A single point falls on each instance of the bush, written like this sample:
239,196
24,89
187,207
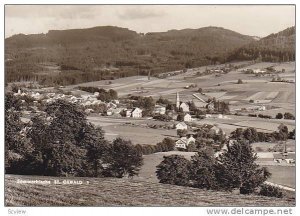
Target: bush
163,117
174,169
270,191
288,115
239,81
279,116
252,115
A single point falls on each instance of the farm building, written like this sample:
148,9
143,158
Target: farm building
114,111
181,126
158,109
187,118
287,157
184,107
183,142
134,113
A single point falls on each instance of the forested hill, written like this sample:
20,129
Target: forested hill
275,47
71,37
111,52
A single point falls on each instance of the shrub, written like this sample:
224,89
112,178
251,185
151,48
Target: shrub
174,169
163,117
181,133
279,116
288,115
270,191
239,81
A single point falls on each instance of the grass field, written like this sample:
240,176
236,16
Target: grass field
123,192
283,175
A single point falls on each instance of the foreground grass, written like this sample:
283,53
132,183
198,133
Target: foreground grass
122,192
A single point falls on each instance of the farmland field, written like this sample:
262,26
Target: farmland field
283,175
122,192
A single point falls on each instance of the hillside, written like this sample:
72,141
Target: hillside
111,52
275,47
120,192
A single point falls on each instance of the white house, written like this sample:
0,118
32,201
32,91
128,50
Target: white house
181,126
184,107
158,109
187,118
183,142
134,113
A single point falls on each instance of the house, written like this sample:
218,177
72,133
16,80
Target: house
187,118
210,106
184,107
181,126
134,113
183,142
256,71
111,105
158,109
208,116
287,157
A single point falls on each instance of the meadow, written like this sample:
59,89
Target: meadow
123,192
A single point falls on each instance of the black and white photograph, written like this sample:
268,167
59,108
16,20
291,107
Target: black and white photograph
150,105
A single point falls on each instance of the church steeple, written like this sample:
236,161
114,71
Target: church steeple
177,100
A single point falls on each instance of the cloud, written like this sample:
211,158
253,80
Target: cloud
140,13
49,11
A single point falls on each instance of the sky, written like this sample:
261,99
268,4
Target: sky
254,20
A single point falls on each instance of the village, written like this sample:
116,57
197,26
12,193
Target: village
132,110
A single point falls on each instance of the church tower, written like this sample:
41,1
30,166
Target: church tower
177,100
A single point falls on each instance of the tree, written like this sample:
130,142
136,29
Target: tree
283,132
123,159
180,117
292,134
191,147
16,143
181,133
236,168
239,81
60,139
202,171
288,115
279,116
168,143
174,169
96,147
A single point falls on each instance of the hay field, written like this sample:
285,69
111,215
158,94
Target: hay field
123,192
283,175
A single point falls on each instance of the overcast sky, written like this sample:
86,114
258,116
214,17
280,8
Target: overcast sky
249,20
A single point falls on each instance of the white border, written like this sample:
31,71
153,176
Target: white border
45,211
